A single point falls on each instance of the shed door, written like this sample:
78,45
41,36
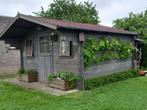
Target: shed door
44,58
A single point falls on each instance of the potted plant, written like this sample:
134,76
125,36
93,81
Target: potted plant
27,75
141,73
63,80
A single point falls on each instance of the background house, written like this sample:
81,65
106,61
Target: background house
51,46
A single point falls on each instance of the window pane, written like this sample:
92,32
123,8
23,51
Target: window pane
63,47
29,47
67,49
42,48
47,47
44,45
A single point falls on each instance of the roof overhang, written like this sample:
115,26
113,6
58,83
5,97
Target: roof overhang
138,40
22,24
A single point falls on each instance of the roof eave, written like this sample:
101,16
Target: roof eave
54,27
132,34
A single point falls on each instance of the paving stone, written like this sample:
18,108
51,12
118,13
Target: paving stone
43,87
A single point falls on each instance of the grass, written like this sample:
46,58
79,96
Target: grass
7,76
130,94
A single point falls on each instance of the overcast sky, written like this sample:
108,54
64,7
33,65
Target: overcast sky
109,10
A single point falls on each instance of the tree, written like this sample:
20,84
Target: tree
135,22
69,10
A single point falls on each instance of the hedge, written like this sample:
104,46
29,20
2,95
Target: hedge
115,77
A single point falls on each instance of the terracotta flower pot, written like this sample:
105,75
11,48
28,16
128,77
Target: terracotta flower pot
141,73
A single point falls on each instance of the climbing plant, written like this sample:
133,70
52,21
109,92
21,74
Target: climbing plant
96,51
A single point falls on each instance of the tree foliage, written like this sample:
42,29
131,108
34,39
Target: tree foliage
69,10
135,22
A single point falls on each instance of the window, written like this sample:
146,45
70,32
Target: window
29,47
44,45
65,47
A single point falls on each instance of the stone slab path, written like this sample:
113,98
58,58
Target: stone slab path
43,87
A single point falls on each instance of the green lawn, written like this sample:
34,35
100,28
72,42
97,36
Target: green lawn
125,95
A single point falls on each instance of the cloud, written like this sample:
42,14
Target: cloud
23,6
120,9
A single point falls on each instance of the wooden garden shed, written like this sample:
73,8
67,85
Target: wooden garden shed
50,46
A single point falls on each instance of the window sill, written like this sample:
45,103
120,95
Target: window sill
64,56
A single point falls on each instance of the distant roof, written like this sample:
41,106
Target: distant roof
57,24
4,21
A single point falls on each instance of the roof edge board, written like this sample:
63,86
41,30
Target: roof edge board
99,31
20,16
38,22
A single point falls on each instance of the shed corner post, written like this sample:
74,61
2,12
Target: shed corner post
52,53
81,62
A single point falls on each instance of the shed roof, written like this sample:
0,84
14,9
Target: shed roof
56,24
80,26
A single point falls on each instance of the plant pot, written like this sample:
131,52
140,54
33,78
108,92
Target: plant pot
60,84
28,77
141,73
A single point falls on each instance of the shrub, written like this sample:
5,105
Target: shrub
51,77
22,71
115,77
67,76
31,71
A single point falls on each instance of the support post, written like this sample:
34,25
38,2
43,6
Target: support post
52,57
53,38
81,67
21,55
